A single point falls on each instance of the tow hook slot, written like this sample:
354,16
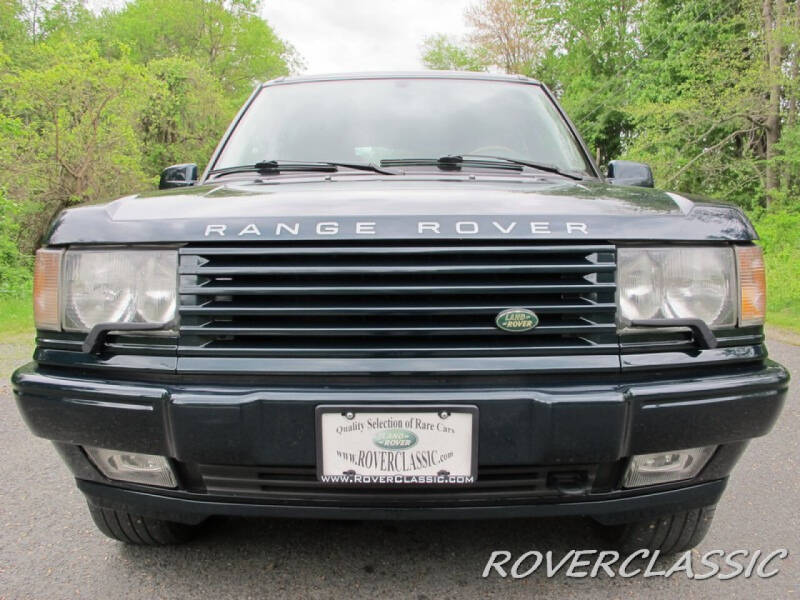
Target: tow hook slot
569,483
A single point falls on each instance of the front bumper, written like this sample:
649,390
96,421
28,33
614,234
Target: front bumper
587,426
608,510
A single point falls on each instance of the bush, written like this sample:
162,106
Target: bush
15,267
780,238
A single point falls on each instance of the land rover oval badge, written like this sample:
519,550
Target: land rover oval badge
517,320
395,439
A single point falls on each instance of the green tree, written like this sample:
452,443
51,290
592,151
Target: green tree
15,267
71,130
698,98
707,91
13,35
589,57
184,116
507,32
225,36
94,106
442,53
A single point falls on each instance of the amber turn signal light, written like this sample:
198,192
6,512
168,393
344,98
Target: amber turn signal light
752,285
46,280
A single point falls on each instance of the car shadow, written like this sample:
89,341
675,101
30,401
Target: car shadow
557,534
236,557
307,550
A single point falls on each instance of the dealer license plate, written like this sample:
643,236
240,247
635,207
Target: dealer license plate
397,445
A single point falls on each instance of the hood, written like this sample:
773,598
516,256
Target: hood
379,207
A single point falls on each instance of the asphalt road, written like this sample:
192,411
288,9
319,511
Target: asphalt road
49,547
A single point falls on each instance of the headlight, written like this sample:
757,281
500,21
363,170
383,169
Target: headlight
677,283
117,286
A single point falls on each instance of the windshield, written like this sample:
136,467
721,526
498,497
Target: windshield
369,120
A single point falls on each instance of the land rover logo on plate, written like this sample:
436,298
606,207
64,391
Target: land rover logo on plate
517,320
395,439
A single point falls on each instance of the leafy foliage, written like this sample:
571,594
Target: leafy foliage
707,92
442,53
94,106
698,105
780,238
224,37
185,104
15,267
79,142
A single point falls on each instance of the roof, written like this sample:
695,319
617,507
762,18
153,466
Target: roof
429,74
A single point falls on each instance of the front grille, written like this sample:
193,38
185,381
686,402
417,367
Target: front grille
350,300
505,484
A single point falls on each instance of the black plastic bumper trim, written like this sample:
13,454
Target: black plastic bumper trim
96,338
703,336
606,510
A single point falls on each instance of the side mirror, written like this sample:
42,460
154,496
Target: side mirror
178,176
626,172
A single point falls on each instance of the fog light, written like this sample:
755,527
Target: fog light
148,469
663,467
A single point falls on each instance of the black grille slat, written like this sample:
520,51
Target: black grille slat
230,309
401,300
345,331
227,290
300,483
388,270
413,269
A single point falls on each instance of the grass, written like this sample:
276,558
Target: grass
16,313
788,318
16,333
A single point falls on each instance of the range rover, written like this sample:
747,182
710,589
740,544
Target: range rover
402,296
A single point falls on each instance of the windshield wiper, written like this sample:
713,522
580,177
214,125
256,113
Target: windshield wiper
546,167
270,167
456,161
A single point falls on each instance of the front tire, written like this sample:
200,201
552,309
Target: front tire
140,530
669,534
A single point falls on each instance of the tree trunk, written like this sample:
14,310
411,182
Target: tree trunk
794,71
794,83
772,13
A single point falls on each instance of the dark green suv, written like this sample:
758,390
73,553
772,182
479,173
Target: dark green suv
402,296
